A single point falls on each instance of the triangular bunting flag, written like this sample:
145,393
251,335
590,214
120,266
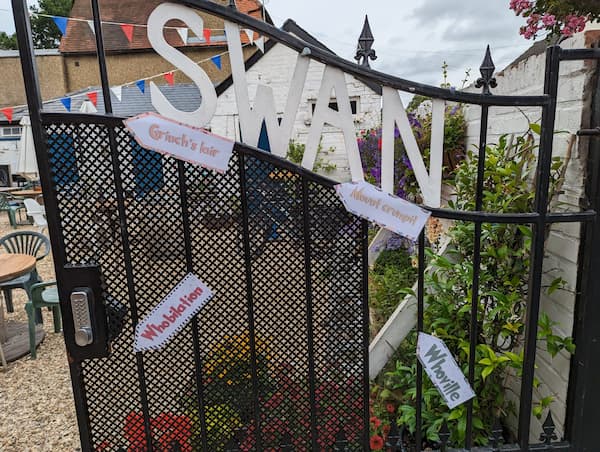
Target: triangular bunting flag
250,34
128,30
66,101
88,107
183,34
61,23
260,43
141,84
91,25
169,77
93,96
117,91
207,33
8,112
217,60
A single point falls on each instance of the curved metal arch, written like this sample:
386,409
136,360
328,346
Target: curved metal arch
351,68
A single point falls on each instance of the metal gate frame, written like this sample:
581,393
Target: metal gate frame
584,400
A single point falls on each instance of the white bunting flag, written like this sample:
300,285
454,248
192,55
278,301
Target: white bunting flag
250,33
91,25
172,314
183,34
117,91
260,43
443,371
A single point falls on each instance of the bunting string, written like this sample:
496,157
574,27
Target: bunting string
117,90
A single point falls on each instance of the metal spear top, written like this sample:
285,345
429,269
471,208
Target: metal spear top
487,68
232,4
364,50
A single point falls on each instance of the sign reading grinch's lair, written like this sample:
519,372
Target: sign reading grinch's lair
279,127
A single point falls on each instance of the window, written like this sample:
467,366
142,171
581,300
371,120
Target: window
147,168
63,159
11,131
334,105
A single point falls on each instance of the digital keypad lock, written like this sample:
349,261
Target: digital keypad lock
81,301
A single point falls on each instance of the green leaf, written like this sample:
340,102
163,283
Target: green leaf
536,128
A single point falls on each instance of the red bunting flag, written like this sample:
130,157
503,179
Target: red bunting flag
169,77
93,96
8,112
207,35
128,30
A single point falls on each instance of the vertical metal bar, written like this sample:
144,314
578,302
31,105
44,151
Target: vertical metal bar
249,291
34,104
537,246
366,330
101,57
420,313
583,409
476,269
185,218
309,317
130,279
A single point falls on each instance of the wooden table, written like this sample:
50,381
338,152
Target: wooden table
27,193
9,189
11,266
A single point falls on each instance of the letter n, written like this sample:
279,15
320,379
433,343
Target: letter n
395,114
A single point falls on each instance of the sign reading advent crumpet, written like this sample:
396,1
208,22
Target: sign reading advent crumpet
388,211
172,314
184,142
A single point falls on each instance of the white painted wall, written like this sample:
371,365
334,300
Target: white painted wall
275,69
562,247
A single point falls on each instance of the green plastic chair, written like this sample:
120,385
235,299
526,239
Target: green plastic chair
43,295
11,209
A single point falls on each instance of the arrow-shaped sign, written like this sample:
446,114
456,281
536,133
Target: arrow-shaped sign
172,314
183,142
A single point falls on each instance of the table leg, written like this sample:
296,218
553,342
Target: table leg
3,359
3,332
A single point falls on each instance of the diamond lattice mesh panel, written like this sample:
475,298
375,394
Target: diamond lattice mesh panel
276,357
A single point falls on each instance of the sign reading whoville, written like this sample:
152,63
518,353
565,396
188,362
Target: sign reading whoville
172,314
443,371
183,142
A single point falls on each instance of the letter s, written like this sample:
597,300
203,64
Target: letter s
156,22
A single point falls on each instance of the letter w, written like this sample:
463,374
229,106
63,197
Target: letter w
435,354
149,333
251,119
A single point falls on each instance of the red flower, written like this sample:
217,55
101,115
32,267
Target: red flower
375,421
386,430
390,408
376,442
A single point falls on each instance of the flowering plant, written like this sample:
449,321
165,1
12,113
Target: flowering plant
558,17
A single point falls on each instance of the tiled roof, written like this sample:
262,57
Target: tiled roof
80,39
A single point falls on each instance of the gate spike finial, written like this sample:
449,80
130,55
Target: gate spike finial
232,4
487,68
364,50
549,430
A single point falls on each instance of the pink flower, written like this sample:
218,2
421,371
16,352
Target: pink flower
518,6
549,20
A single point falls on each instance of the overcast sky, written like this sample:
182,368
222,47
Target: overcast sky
412,38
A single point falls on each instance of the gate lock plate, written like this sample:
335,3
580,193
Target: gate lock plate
81,300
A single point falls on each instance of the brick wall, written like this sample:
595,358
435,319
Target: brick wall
275,69
526,77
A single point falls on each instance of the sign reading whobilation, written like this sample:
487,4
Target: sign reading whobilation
388,211
184,142
172,314
443,371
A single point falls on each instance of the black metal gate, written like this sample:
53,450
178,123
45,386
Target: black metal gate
279,359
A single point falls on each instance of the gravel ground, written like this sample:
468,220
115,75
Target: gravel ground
37,412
